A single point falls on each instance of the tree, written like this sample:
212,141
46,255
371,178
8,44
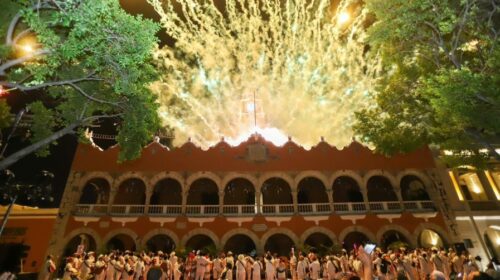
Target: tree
85,61
442,84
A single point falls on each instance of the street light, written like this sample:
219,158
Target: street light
41,190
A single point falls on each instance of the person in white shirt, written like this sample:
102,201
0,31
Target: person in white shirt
86,268
256,269
172,262
270,270
201,264
100,268
240,268
314,268
301,268
330,268
50,267
70,271
218,267
139,268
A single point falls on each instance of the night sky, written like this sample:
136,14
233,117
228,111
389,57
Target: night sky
59,162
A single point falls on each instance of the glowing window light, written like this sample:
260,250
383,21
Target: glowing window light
455,185
343,18
475,183
492,184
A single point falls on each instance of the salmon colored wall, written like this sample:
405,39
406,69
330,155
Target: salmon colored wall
223,157
37,236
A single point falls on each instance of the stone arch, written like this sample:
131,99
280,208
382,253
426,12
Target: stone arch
310,189
287,178
243,231
439,230
234,175
381,188
82,181
201,231
380,172
159,231
199,175
239,190
83,230
278,230
124,231
310,173
129,175
413,188
349,173
134,192
412,240
95,191
164,175
417,173
318,229
347,189
357,228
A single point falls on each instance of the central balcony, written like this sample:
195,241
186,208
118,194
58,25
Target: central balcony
348,208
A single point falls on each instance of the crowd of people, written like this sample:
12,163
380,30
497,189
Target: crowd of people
355,265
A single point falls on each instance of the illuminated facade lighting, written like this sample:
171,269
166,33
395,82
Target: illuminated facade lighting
456,186
492,184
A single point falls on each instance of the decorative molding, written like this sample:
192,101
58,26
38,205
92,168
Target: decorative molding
316,219
240,220
162,220
86,220
124,220
278,220
426,216
389,217
352,218
201,221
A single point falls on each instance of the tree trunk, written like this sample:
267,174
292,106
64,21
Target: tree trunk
13,158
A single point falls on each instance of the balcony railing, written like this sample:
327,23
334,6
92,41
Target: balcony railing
91,209
343,208
239,210
125,210
385,206
419,205
277,209
165,210
202,210
349,207
314,208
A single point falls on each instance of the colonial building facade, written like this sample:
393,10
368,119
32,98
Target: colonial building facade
260,197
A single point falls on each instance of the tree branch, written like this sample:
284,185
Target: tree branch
21,35
82,92
69,129
11,63
49,84
10,30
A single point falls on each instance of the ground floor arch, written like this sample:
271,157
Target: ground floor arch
160,242
394,239
354,238
279,243
429,238
240,244
322,242
201,242
86,240
122,242
492,240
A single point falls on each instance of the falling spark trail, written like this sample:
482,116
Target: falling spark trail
309,70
